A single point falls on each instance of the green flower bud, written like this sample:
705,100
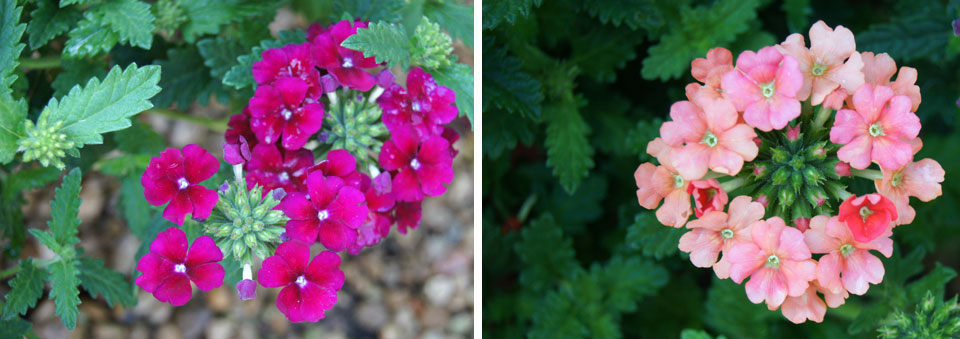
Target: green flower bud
780,176
812,175
785,198
779,155
796,181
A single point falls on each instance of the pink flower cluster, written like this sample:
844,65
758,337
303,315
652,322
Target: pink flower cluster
732,110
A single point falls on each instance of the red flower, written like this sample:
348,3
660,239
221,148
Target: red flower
452,136
708,196
239,125
176,178
340,163
308,289
291,61
408,215
424,105
346,65
273,168
239,153
168,268
332,214
380,202
868,216
284,107
424,167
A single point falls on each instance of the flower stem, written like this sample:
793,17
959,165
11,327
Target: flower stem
732,184
871,174
41,62
821,118
215,125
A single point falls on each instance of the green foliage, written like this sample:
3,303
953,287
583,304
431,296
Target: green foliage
546,253
908,38
459,78
90,37
220,54
369,10
48,21
12,115
131,20
25,289
651,237
385,41
568,149
99,280
14,328
65,291
933,318
509,11
10,46
506,86
77,72
696,334
627,12
207,16
454,18
64,209
239,75
185,79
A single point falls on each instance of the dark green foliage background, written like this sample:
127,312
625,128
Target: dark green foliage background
573,91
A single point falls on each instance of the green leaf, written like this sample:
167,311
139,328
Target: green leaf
77,72
65,3
65,207
89,37
626,12
654,239
729,311
124,165
14,328
139,138
503,131
206,16
48,21
47,239
385,41
99,280
798,14
907,39
65,292
603,51
25,289
369,10
700,29
10,46
185,79
13,114
627,280
509,11
459,78
220,54
506,86
547,254
131,20
569,152
135,208
455,18
933,281
239,76
101,107
690,333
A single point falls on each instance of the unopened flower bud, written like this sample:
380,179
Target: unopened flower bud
812,175
762,199
793,133
779,155
247,288
278,194
780,176
842,168
802,224
785,197
759,141
796,181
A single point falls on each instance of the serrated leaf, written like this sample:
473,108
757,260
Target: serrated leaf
503,131
509,11
652,238
185,79
569,152
385,41
907,39
11,30
220,54
47,239
131,20
603,51
14,328
25,289
933,281
101,107
455,18
65,292
136,211
48,21
547,254
65,207
626,12
239,76
729,311
99,280
459,78
64,3
627,280
206,16
89,37
76,72
369,10
506,86
13,114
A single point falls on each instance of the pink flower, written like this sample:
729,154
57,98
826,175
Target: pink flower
273,168
169,267
308,289
717,231
291,61
663,182
345,64
765,86
247,289
424,105
776,260
174,177
380,201
823,65
878,69
709,71
408,215
708,196
423,166
314,30
805,306
239,125
868,216
920,179
285,108
803,224
842,168
711,137
340,163
880,129
331,214
847,263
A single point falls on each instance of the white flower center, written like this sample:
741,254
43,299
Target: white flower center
347,62
301,281
183,183
286,113
726,233
709,139
415,106
677,181
818,69
846,249
180,268
414,164
897,179
768,89
295,64
876,130
773,261
323,215
865,213
284,177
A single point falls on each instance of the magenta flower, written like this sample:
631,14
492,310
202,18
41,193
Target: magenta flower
777,261
380,202
848,264
239,153
346,65
879,130
285,108
239,125
424,105
291,61
308,289
408,215
274,168
717,231
710,136
340,163
174,177
764,86
423,167
452,136
169,267
331,213
247,289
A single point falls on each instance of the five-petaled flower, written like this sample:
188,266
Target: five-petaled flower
656,183
286,108
777,261
175,177
331,213
274,168
169,267
423,166
764,86
710,138
920,179
717,231
309,287
847,263
423,105
831,62
880,130
345,64
868,216
291,61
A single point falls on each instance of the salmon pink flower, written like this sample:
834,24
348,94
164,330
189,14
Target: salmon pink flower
831,62
273,168
764,86
423,166
847,263
717,231
408,215
805,306
920,179
174,177
285,108
663,183
424,105
868,216
710,136
842,168
711,69
331,213
879,68
340,163
708,196
777,261
291,61
309,290
346,65
169,267
880,129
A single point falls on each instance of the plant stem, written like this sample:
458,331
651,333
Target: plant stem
866,173
41,62
732,184
821,118
216,125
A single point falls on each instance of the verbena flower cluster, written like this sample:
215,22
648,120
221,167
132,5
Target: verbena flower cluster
768,164
282,200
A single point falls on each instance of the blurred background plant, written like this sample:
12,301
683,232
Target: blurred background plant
573,91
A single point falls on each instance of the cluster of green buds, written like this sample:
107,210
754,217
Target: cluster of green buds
431,46
46,144
933,318
355,124
244,223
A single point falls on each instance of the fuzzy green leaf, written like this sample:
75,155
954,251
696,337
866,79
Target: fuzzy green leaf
569,152
14,327
503,131
220,54
132,21
654,239
10,33
509,11
690,333
89,37
506,86
140,138
547,254
239,76
603,51
47,239
933,281
369,10
908,38
101,107
136,211
459,78
385,41
13,113
65,292
99,280
626,12
25,289
77,72
206,16
626,280
455,18
48,21
65,207
65,3
185,79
